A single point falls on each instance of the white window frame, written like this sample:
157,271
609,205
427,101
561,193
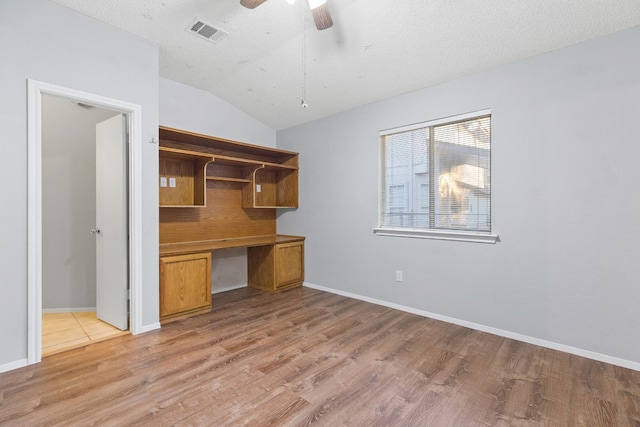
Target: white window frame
423,233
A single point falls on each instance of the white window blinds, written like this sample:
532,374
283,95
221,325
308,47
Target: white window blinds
437,176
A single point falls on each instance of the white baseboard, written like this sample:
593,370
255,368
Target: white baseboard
228,288
13,365
147,328
495,331
68,310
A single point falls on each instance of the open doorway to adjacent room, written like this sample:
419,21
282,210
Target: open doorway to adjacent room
84,219
69,223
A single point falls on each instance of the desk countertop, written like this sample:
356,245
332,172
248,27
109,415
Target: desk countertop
210,245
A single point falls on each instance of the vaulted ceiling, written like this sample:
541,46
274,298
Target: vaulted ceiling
375,49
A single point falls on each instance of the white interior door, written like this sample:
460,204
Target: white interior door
111,228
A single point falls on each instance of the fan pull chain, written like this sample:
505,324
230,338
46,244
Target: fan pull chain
303,102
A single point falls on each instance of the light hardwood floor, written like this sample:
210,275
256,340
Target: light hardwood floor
306,357
65,331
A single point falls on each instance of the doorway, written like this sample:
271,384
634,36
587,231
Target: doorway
70,216
63,331
132,112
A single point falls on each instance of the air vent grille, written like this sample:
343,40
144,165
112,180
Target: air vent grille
206,31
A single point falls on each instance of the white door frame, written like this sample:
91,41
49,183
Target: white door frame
34,197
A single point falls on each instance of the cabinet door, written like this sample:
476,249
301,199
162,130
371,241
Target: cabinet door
276,267
289,268
185,284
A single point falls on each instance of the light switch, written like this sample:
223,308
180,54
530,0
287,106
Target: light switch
163,181
172,182
258,188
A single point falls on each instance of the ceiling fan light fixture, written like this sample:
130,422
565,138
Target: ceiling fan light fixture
319,10
251,4
321,15
316,3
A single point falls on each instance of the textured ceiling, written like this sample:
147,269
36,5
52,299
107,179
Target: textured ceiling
376,48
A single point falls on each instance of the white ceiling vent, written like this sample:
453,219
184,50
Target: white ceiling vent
206,31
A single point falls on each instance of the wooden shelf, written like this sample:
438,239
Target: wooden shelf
182,174
227,179
220,159
272,188
177,153
170,137
237,161
269,176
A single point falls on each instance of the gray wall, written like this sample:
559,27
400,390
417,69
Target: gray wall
195,110
565,201
69,203
65,48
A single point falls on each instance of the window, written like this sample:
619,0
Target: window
396,199
435,179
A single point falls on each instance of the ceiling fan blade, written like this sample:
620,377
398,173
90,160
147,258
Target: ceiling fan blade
322,17
251,4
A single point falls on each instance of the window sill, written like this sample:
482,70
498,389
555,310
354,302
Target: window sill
460,236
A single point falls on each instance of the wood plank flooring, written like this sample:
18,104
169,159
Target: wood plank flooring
306,357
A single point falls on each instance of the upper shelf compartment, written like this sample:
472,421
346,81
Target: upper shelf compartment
185,140
268,176
182,178
271,187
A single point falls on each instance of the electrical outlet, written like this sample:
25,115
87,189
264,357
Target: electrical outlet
163,181
258,188
172,182
399,276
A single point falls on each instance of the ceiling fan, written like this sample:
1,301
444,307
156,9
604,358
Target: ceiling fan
319,10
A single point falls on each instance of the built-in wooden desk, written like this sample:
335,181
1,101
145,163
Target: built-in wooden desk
219,194
240,242
274,263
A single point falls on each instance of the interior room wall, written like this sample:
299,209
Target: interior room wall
69,203
65,48
188,108
195,110
564,175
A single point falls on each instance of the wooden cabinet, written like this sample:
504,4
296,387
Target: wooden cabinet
182,178
228,193
272,186
269,177
276,267
185,285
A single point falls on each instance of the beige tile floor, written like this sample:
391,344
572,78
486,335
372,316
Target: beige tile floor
65,331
